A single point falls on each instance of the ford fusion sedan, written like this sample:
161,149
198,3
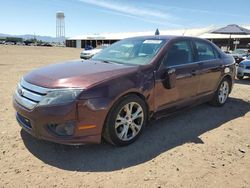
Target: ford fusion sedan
243,69
113,95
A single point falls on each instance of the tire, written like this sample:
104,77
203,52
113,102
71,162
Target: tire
240,77
120,127
222,90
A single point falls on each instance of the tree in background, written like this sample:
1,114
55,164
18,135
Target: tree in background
13,39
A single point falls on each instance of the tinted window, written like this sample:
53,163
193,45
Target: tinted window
179,53
205,51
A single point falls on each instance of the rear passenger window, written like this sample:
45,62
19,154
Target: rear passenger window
205,51
180,53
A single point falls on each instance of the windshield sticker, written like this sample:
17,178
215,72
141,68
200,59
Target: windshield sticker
152,42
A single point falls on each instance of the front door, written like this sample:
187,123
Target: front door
179,58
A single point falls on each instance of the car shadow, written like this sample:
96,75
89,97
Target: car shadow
245,81
160,136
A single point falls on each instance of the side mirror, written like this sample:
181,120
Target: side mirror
169,80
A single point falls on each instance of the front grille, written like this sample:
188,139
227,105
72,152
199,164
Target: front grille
29,95
24,121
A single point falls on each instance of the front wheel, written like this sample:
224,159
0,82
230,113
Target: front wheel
221,94
125,121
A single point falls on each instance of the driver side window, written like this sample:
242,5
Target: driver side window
179,53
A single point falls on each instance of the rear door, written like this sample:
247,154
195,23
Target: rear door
180,59
211,66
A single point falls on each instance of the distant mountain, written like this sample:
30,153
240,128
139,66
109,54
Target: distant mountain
28,36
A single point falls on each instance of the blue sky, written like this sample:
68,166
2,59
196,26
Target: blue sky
98,16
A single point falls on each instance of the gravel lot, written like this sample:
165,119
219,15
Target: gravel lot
200,147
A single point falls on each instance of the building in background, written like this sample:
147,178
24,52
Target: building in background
81,41
60,27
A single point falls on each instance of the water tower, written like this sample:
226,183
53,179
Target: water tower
60,27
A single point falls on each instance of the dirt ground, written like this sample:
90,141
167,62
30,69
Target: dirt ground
200,147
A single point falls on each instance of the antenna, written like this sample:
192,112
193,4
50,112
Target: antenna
183,34
157,32
60,27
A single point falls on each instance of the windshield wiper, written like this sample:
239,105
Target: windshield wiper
105,61
108,61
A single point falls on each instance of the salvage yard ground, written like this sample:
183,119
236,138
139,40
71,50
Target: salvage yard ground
200,147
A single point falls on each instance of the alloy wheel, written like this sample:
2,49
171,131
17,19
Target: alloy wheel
129,121
223,92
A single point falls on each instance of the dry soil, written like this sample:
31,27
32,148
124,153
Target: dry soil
200,147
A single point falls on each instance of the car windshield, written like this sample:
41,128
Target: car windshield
131,51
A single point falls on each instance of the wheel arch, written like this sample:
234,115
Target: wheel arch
127,94
230,80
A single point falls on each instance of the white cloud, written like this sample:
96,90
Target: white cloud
193,11
145,14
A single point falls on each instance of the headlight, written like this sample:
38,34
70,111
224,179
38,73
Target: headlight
60,97
241,65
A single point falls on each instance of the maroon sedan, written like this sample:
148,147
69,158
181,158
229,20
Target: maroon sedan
113,95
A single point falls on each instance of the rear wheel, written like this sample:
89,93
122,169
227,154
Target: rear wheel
221,94
125,121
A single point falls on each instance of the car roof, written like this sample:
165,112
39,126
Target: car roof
164,37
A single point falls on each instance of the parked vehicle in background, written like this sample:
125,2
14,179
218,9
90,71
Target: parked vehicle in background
240,54
113,95
20,44
47,44
9,43
243,69
87,54
32,44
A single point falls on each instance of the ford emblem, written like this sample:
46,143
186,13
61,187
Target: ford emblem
21,92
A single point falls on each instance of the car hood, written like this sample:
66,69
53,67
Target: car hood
76,74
